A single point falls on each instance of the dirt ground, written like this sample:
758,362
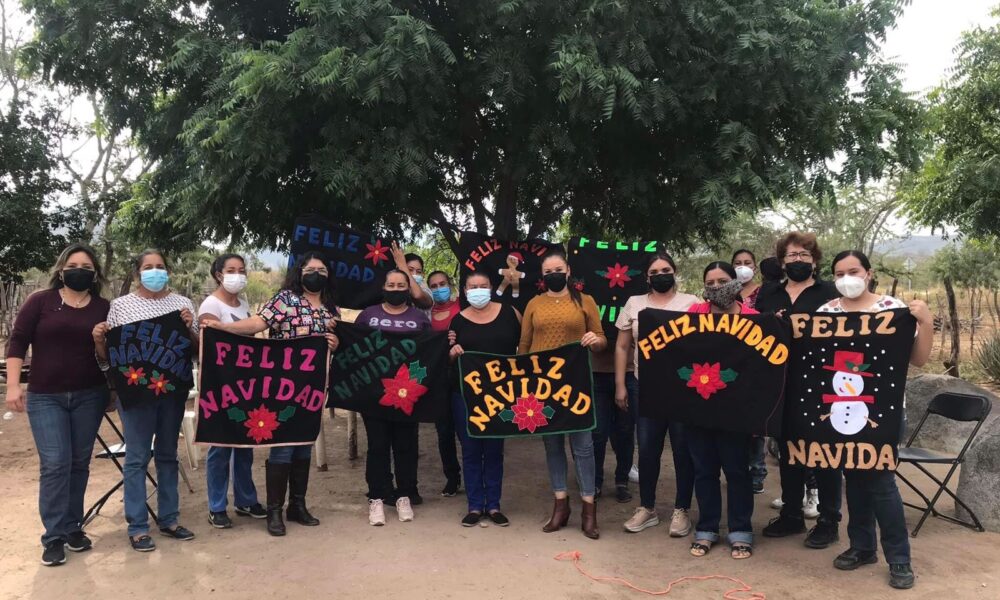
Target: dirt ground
434,557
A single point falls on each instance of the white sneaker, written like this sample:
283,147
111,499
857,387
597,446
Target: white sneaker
376,513
633,474
810,504
777,503
643,518
680,523
404,510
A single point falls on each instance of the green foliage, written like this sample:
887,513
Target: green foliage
988,357
651,119
960,182
29,217
973,264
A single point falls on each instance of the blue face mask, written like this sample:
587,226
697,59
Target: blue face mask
441,294
418,278
478,297
154,280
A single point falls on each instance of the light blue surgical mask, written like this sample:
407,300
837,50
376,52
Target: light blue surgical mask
441,294
478,297
154,280
418,278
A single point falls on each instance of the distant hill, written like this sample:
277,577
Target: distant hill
917,246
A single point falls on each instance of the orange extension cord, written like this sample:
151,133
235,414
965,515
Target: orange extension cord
576,556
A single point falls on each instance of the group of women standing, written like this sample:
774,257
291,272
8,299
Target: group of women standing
66,326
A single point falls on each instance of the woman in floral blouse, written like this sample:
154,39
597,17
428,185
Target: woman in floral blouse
303,307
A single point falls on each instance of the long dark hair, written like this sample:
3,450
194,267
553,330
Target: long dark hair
862,258
56,282
293,279
661,255
220,263
743,251
574,293
719,264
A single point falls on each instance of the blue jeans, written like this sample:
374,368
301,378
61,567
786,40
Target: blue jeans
713,451
652,433
217,466
758,465
159,420
872,497
482,461
286,455
64,427
614,424
582,446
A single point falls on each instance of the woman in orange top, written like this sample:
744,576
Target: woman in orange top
560,316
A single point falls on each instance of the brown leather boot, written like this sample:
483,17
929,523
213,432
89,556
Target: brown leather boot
588,522
560,516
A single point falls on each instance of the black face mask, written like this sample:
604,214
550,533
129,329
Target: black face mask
555,282
78,280
396,297
662,282
799,271
314,282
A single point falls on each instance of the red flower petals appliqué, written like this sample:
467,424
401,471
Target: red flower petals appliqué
377,252
707,379
401,391
261,424
528,414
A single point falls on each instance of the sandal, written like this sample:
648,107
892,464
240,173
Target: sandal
741,551
700,548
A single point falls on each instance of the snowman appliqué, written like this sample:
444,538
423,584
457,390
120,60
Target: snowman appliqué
849,406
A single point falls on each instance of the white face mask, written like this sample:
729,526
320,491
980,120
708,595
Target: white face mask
744,273
850,286
234,282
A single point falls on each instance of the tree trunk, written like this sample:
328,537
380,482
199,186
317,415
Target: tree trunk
972,321
956,329
895,282
944,324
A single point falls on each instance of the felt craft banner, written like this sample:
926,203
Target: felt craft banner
529,394
151,360
394,376
256,392
611,273
357,261
514,267
719,371
847,377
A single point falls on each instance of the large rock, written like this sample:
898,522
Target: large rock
939,433
979,480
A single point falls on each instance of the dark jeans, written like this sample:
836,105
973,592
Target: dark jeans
286,455
652,433
714,451
482,460
391,443
793,485
872,496
758,465
64,427
218,464
159,420
446,447
614,424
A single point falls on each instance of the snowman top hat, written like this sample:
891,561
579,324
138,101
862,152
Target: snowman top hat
849,362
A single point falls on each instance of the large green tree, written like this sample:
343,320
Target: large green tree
960,183
641,118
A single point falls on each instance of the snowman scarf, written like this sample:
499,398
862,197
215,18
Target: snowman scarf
844,404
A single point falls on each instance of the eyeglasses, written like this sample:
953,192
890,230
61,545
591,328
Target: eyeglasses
311,270
798,256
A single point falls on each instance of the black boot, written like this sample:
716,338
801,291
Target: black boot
277,483
298,483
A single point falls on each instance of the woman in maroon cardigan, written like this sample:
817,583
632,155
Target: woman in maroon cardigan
67,393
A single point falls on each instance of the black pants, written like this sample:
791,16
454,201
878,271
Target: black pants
715,452
829,482
391,443
446,447
872,497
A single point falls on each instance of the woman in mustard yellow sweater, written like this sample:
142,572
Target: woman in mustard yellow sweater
560,316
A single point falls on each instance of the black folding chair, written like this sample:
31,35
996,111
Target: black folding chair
956,407
114,455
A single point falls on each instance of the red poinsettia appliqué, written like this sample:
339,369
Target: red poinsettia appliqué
377,252
261,424
707,378
134,376
402,391
528,414
160,384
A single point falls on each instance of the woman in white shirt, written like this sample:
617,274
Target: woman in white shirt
227,306
872,496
